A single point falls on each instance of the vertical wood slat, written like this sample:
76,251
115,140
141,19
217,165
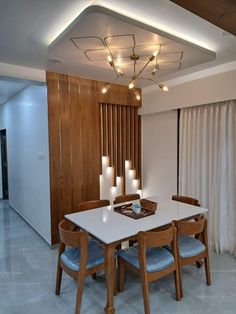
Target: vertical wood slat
136,150
65,119
124,131
95,160
114,142
132,137
76,142
128,154
104,119
118,143
101,136
140,152
109,135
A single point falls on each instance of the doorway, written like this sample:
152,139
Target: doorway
3,140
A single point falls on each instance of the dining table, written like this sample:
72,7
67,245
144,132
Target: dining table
112,228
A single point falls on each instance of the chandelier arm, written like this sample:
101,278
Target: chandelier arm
135,67
144,67
149,79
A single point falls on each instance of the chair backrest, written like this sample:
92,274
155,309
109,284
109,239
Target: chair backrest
156,238
70,237
185,199
126,198
191,227
93,204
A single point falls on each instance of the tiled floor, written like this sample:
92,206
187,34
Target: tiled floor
27,278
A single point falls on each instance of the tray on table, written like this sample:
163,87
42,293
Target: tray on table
148,208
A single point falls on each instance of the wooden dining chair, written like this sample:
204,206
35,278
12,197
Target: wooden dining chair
150,260
122,199
185,199
192,249
93,204
126,198
82,258
190,201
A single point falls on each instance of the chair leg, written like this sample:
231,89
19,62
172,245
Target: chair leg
207,270
199,264
145,294
79,293
58,280
177,285
94,276
115,279
121,271
181,283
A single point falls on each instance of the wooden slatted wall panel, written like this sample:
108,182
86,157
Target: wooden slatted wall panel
74,141
80,132
123,139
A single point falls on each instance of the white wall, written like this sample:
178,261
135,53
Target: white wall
160,123
206,90
25,119
160,154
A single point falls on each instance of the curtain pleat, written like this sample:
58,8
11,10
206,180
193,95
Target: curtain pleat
208,167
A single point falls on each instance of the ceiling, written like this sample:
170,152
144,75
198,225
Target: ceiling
30,33
99,33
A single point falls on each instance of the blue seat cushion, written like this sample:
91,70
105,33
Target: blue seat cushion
188,246
71,256
157,259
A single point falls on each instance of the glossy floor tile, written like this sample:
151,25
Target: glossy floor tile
27,279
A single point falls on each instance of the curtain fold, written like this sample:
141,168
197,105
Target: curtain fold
208,167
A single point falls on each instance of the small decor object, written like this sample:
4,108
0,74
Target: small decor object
136,210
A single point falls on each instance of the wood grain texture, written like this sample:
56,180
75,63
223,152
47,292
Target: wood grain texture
114,143
119,95
81,130
125,125
221,13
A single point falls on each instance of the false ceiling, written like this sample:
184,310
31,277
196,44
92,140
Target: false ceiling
98,33
29,27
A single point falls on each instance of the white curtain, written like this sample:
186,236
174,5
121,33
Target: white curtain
208,167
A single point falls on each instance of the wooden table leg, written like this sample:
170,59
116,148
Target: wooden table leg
110,268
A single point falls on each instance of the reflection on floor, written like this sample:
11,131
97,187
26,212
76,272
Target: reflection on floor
27,278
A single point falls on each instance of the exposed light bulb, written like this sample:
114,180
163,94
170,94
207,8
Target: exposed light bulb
163,87
155,53
109,58
153,56
131,84
105,89
138,97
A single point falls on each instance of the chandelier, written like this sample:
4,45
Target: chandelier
137,74
131,58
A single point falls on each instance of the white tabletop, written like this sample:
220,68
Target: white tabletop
109,226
